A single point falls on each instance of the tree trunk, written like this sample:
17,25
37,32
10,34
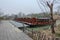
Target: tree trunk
52,28
52,25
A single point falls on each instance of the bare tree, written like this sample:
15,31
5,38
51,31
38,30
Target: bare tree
49,4
51,13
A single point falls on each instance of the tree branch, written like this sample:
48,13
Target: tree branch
44,5
48,5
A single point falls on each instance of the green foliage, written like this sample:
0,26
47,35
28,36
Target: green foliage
40,15
1,18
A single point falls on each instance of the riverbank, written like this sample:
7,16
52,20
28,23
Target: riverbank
32,31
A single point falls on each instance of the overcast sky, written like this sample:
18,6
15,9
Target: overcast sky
16,6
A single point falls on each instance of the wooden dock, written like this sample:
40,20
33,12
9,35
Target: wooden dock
9,32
